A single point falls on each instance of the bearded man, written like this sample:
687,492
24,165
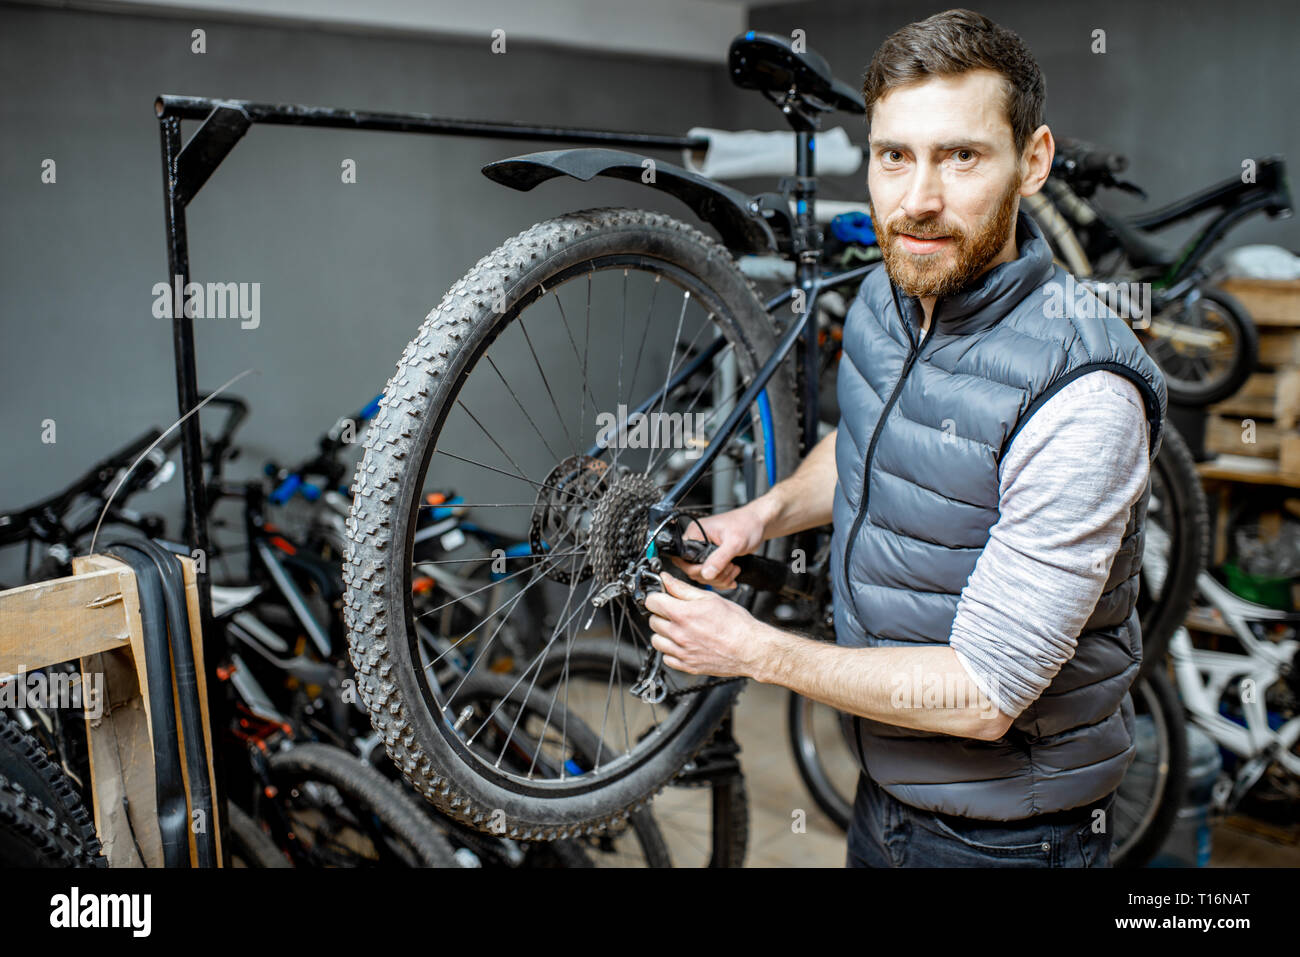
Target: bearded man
987,487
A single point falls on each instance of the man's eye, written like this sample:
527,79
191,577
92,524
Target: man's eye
964,156
893,156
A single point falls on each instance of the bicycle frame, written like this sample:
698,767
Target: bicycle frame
188,164
1235,199
806,251
1204,676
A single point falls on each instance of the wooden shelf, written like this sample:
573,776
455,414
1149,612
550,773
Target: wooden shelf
1241,468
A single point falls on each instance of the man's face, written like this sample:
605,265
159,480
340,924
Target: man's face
945,181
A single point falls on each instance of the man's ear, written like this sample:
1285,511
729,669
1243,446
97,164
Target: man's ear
1037,160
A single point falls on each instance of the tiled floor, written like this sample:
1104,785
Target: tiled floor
776,794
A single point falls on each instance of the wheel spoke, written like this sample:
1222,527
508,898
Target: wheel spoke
522,478
554,405
549,450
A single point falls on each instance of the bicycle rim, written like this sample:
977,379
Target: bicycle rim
576,356
1150,793
828,768
1198,346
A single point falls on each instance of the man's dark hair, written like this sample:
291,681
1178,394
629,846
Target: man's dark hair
954,42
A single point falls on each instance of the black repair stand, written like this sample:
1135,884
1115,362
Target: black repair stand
187,166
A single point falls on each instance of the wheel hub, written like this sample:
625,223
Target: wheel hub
562,516
600,516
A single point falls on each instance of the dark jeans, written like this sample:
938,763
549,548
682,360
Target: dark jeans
888,833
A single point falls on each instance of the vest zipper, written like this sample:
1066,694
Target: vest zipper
912,355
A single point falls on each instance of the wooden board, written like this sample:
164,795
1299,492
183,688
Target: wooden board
1253,400
1279,347
1250,471
1265,395
201,680
121,765
1270,302
120,740
64,619
1225,435
93,617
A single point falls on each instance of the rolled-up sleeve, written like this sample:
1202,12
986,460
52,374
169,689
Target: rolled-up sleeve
1067,484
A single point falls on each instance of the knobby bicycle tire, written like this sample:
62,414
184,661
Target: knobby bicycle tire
1162,614
27,768
1245,355
398,446
365,787
1170,724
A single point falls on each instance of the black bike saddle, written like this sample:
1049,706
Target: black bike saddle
766,61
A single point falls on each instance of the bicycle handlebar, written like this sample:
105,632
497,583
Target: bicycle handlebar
324,463
16,526
764,574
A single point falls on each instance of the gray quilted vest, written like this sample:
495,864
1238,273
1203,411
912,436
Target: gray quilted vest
928,426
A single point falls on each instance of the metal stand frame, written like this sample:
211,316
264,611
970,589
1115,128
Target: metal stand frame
187,165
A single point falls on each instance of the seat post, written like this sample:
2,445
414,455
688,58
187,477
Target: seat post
808,246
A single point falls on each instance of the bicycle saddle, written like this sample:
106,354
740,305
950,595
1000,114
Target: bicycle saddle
768,62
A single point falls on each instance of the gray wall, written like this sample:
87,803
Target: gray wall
348,271
1186,89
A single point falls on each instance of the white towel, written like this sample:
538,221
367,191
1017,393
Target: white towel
1263,262
736,154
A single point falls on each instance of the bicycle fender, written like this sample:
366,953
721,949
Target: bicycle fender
734,214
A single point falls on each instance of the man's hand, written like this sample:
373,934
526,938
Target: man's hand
737,532
702,633
804,500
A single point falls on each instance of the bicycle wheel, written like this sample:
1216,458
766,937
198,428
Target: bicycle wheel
250,846
332,809
522,727
1177,534
1206,345
472,387
827,766
38,789
32,835
704,816
1147,802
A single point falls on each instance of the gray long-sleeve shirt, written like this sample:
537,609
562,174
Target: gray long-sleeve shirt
1066,485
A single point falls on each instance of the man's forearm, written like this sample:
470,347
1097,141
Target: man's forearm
803,500
922,688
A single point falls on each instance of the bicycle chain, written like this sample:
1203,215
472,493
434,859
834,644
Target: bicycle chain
702,686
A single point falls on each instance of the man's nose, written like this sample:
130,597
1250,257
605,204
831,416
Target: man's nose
924,196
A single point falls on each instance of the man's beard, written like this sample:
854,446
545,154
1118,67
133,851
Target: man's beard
931,274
